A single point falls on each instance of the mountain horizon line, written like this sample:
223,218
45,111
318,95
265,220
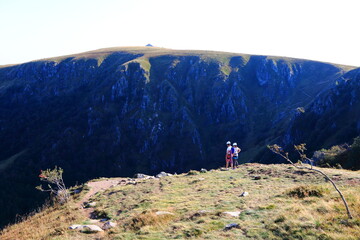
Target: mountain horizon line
157,51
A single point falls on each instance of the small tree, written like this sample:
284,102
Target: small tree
300,149
55,185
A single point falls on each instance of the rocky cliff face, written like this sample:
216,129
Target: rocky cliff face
121,112
331,118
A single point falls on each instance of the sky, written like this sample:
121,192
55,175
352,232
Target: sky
322,30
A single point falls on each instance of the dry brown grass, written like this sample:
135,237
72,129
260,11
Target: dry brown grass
50,222
197,202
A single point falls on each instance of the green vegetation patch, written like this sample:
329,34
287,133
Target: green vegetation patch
307,191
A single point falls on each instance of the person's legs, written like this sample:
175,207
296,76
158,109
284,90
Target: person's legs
235,161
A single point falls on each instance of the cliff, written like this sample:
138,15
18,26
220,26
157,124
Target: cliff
118,111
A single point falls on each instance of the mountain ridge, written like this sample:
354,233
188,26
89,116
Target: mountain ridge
131,112
157,51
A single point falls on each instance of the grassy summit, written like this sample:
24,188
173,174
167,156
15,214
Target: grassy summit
283,203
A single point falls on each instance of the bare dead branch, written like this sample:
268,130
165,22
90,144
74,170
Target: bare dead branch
301,151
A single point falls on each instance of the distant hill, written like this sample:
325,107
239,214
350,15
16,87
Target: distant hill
118,111
280,202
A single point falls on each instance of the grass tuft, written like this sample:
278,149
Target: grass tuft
307,191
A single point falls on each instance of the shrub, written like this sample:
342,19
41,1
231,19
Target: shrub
56,185
193,172
306,191
149,218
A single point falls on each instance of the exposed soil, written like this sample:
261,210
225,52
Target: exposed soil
99,186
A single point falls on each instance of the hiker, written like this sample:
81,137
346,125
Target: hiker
235,150
228,156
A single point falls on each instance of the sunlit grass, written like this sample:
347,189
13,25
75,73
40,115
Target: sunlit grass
282,203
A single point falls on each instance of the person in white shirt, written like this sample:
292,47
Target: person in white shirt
235,150
228,155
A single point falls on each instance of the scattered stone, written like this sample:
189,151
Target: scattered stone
143,176
91,229
257,177
231,226
158,213
86,228
108,225
203,170
76,226
201,179
90,204
244,194
232,214
163,174
224,169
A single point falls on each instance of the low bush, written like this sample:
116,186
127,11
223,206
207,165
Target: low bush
306,191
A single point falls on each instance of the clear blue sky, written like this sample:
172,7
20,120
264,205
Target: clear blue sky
311,29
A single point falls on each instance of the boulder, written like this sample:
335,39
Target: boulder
244,194
91,229
108,225
231,226
232,214
89,204
86,228
203,170
163,174
76,226
141,175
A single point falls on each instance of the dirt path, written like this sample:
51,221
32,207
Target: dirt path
99,186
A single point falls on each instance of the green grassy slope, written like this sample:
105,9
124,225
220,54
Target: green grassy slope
283,203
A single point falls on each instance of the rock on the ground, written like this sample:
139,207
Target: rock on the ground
86,228
76,226
163,174
163,213
244,194
203,170
142,176
91,229
232,214
231,226
90,204
108,225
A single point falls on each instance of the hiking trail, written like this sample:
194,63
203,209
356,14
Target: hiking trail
95,187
